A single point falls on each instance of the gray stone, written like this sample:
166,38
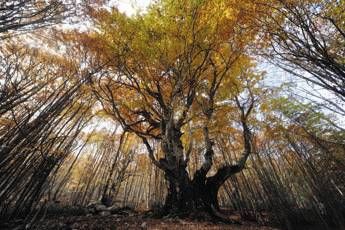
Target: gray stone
112,209
105,213
143,225
100,207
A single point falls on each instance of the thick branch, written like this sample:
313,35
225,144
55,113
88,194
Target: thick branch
151,155
228,170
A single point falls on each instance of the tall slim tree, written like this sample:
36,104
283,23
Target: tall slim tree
24,15
307,39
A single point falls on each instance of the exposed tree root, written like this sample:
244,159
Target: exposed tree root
221,217
210,214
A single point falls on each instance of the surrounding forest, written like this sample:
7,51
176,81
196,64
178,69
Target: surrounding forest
185,114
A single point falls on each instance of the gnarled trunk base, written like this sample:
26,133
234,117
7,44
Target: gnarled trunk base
195,200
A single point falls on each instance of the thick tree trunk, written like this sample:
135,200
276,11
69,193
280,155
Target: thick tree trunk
198,197
187,196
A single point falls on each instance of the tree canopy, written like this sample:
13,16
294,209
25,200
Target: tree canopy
171,108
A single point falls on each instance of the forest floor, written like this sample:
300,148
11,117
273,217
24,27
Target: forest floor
133,221
138,222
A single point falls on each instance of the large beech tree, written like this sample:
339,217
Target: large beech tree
177,66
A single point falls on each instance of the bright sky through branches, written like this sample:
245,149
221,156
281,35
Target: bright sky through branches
130,6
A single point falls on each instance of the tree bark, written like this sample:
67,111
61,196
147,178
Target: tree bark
185,195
